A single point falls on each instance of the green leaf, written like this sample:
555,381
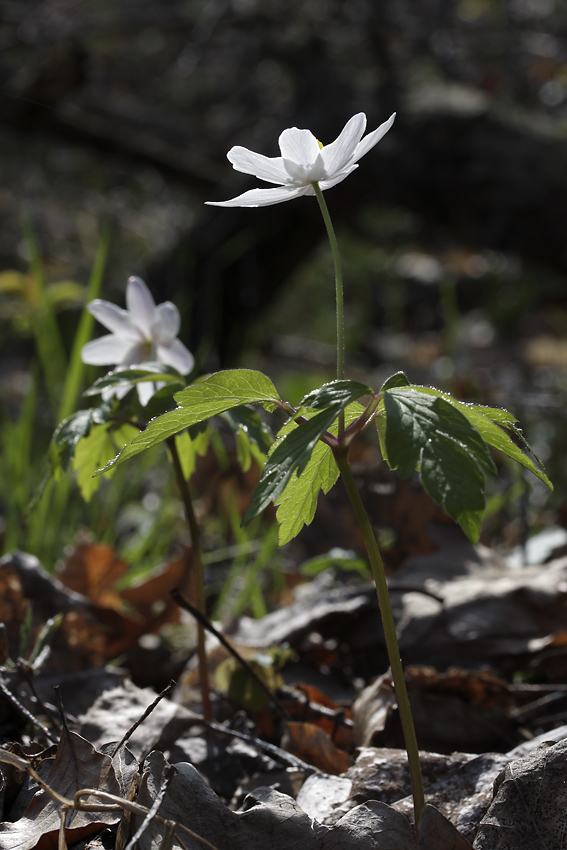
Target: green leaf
74,428
487,420
94,450
397,380
335,392
253,437
428,433
298,502
215,394
337,559
191,444
292,453
136,374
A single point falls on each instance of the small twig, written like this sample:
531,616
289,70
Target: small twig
199,573
299,693
206,623
141,719
24,671
270,749
27,714
153,810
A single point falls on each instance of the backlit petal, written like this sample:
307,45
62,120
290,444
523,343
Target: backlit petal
303,174
106,350
263,197
299,146
115,392
166,323
270,169
328,184
177,355
373,138
114,318
141,305
339,153
146,390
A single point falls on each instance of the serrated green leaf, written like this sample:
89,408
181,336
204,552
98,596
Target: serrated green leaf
487,421
93,451
298,501
136,374
74,428
414,420
456,483
427,433
397,380
246,419
215,394
291,454
335,392
224,390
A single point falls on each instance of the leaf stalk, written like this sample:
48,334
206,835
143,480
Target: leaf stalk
199,574
388,624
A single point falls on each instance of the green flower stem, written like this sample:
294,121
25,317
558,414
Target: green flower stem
389,629
199,575
338,291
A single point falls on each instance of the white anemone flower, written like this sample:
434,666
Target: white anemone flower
142,333
303,161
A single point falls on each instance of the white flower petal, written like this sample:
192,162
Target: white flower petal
114,318
141,305
165,324
270,169
302,174
299,146
177,355
115,392
263,197
106,350
338,178
339,153
146,390
373,138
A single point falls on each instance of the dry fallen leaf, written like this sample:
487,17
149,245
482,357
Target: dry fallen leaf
311,744
35,815
437,833
93,569
458,710
270,820
529,810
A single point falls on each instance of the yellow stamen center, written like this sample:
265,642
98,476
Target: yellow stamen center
321,145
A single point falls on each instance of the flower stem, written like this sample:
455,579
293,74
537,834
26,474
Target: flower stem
199,575
338,290
392,647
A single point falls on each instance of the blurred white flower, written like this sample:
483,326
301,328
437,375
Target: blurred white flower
142,333
303,161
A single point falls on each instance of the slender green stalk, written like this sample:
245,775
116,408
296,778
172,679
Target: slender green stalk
338,290
389,628
76,368
198,572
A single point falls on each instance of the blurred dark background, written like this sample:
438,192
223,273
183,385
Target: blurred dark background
123,112
120,114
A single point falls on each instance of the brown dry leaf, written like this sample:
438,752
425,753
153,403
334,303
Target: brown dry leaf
270,820
307,708
459,605
437,833
93,569
77,765
313,745
459,710
157,587
529,811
